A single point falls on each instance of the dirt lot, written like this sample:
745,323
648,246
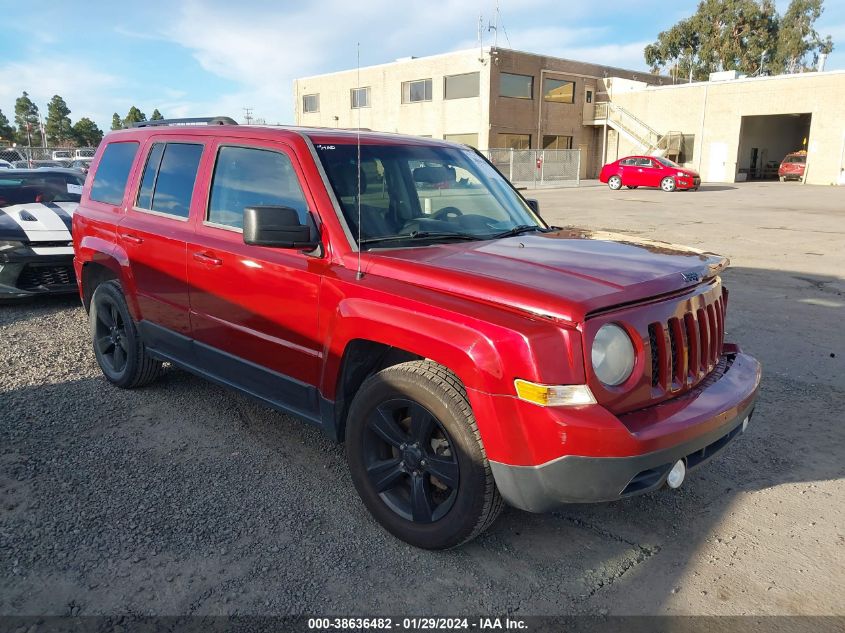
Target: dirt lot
184,498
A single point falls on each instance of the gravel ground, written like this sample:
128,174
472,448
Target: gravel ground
186,498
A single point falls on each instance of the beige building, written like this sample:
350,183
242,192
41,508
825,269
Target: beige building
734,129
488,98
728,128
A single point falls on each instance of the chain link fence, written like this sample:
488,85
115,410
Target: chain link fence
28,154
534,168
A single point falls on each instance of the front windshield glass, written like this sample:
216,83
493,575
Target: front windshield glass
35,187
668,162
422,194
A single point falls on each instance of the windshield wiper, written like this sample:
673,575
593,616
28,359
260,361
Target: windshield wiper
420,235
519,230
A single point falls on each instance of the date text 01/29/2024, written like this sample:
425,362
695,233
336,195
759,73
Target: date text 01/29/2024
416,624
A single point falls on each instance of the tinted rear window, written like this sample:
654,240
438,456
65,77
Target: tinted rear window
174,184
113,172
35,187
795,159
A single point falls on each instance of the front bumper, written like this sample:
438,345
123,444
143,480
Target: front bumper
586,479
34,275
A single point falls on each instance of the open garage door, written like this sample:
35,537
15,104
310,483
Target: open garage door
764,141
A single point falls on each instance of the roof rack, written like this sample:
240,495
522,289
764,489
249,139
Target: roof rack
209,120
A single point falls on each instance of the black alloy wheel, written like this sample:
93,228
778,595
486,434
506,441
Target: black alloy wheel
110,336
416,456
118,347
410,461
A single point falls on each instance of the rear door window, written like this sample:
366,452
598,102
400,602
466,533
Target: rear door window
113,172
169,176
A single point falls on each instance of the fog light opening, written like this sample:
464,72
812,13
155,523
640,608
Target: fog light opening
676,476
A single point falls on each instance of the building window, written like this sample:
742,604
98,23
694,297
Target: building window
516,86
360,97
589,96
687,149
461,86
559,91
557,142
466,139
515,141
311,103
414,91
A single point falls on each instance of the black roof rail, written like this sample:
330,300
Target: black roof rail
210,120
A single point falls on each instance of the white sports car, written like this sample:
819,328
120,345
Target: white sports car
36,250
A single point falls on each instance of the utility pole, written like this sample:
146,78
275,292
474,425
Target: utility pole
248,115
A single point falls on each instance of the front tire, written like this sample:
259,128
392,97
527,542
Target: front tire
117,344
416,458
614,182
668,184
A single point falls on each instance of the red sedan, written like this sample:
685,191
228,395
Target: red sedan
648,171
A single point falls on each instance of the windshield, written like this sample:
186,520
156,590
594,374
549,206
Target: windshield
667,162
795,159
421,191
23,189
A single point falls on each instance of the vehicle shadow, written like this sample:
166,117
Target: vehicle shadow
185,497
714,187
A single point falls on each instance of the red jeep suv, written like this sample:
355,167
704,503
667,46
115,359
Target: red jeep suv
399,293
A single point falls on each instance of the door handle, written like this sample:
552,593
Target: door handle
132,239
207,258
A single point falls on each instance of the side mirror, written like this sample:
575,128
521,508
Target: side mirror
534,204
277,227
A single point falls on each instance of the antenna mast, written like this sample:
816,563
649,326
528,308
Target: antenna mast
359,274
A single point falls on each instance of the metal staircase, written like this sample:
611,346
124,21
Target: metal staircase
649,140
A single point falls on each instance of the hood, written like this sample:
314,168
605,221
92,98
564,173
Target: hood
37,221
565,274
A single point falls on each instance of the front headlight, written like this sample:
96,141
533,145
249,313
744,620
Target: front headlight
9,245
612,355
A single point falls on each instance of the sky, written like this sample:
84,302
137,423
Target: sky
216,57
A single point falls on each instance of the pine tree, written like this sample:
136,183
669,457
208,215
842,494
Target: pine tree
58,126
26,119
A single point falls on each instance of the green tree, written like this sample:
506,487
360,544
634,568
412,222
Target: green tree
58,126
116,122
134,116
740,35
26,119
86,133
156,116
799,44
7,132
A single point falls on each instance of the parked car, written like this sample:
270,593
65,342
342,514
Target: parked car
82,164
4,164
84,152
467,353
10,154
44,164
792,167
62,154
648,171
36,252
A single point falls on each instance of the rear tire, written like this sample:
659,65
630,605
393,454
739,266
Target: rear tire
668,184
614,182
416,457
117,344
